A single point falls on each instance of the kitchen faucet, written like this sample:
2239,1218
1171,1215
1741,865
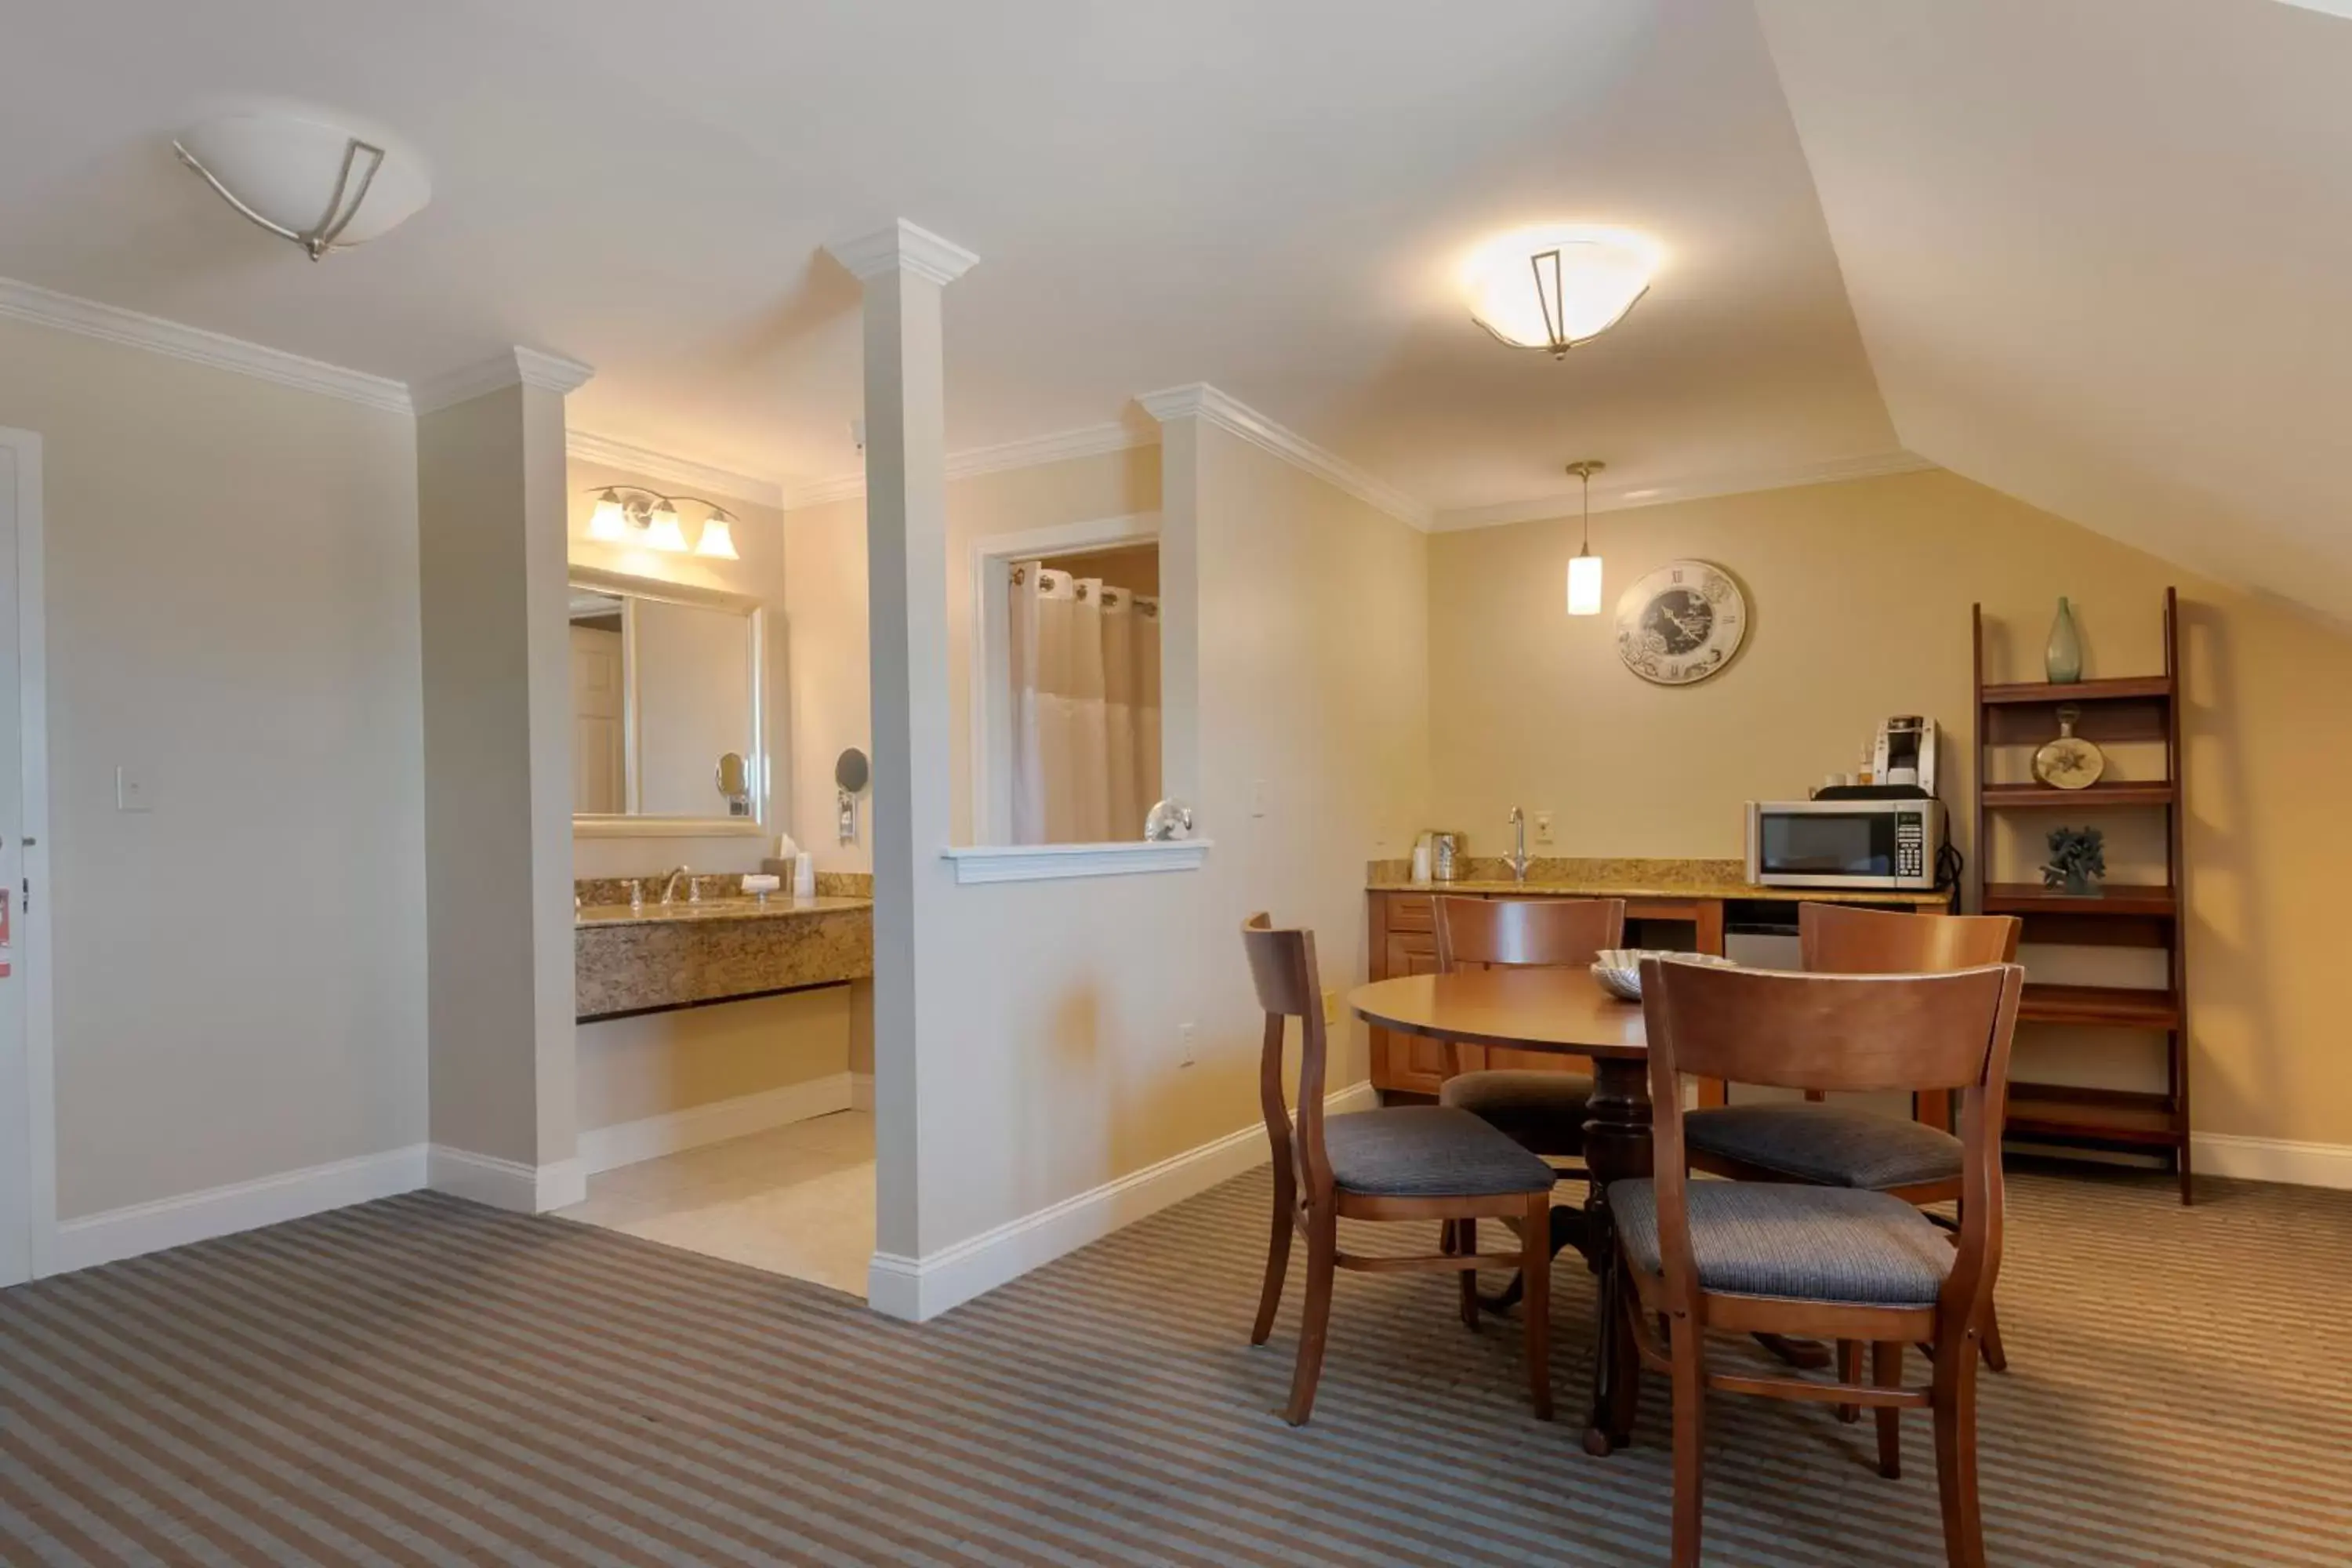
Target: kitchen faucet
669,888
1518,858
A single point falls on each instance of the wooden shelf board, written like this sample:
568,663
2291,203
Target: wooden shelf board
2100,796
2113,1007
2032,899
2035,1111
2128,687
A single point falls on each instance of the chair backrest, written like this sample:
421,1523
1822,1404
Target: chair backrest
1837,939
1525,932
1289,985
1860,1032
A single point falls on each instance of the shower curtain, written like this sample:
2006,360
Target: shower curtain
1085,707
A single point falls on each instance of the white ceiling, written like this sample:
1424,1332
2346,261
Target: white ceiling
1273,198
2101,251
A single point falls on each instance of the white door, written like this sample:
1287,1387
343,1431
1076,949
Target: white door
596,721
17,1143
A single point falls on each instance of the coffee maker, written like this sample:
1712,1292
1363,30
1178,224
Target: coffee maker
1905,754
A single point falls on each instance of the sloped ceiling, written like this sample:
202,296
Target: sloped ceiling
2101,255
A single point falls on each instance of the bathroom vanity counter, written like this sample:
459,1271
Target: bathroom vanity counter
776,907
647,960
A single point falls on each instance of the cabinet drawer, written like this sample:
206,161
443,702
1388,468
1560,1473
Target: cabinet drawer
1410,911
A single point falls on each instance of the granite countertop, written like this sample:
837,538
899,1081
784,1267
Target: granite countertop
776,907
1649,879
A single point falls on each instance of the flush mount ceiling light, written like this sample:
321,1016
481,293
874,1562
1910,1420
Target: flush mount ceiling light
1584,571
317,185
648,520
1559,285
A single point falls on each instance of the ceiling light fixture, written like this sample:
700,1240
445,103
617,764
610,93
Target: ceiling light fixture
648,519
316,184
1559,285
1584,571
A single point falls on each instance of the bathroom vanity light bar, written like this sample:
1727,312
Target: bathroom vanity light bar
648,519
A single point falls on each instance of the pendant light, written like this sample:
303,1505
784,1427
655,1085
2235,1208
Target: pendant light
1584,571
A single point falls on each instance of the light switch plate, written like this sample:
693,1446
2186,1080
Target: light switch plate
132,790
1543,826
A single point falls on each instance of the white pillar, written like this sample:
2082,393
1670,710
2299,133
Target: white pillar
904,270
492,579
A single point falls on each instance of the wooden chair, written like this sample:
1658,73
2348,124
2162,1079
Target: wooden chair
1543,1112
1916,1159
1407,1162
1827,1262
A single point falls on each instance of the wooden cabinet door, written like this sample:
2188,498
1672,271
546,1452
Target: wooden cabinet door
1412,1063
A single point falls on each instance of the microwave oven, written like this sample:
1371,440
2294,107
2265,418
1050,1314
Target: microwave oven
1889,844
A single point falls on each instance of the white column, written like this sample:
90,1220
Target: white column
904,270
492,579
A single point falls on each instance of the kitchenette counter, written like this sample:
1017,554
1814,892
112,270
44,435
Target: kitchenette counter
1719,880
1684,904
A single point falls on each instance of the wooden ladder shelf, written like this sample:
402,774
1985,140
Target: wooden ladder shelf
2132,708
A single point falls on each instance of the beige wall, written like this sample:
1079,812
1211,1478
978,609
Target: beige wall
232,606
497,775
1860,597
631,1069
826,596
1068,1070
760,541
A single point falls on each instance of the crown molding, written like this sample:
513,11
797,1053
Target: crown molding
1622,497
1066,446
511,367
903,247
612,454
1201,401
113,324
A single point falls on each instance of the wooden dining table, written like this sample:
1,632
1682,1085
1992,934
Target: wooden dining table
1564,1011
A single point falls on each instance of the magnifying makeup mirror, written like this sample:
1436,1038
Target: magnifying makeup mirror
850,775
734,780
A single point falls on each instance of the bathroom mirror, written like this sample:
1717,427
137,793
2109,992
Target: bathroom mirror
665,732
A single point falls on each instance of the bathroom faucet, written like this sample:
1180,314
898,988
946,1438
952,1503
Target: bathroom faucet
1518,858
669,888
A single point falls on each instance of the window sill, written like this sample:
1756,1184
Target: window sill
1052,862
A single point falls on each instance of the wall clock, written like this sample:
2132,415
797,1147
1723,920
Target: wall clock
1682,623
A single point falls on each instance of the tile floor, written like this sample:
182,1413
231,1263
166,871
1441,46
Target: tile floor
798,1200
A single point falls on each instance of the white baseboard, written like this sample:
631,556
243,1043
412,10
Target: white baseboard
139,1229
2271,1159
861,1091
919,1288
505,1183
651,1136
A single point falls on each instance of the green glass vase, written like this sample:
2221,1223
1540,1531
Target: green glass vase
2063,657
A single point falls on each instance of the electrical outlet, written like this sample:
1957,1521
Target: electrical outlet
1543,826
1330,1008
1185,1055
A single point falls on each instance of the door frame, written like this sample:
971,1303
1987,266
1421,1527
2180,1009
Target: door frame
36,1251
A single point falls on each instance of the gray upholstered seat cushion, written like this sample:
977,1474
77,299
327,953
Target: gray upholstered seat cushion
1542,1112
1829,1144
1806,1244
1428,1151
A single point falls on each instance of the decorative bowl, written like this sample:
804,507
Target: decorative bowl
1619,969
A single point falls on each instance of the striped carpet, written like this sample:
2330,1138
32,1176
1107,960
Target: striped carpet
421,1381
